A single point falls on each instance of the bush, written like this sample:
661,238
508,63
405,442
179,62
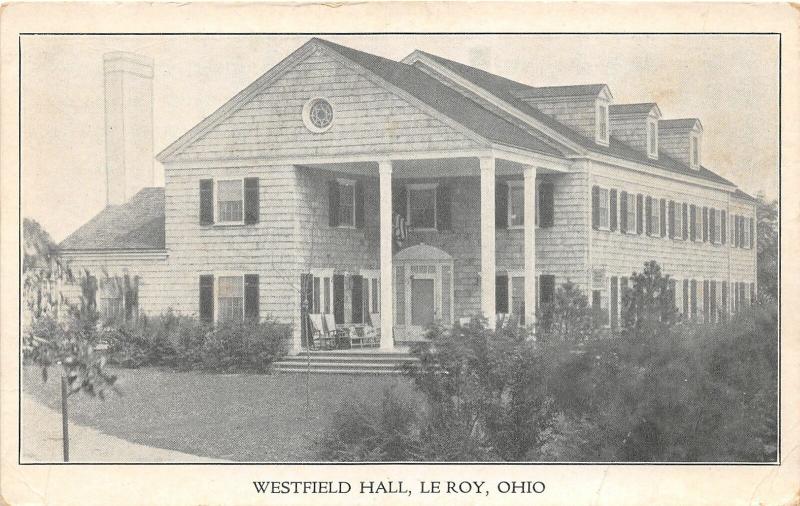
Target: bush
361,431
244,346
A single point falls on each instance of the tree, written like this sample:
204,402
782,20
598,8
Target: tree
43,271
768,250
568,317
648,305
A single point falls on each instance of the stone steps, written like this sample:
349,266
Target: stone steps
344,362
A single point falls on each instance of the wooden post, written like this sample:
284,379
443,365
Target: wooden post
64,416
387,307
487,167
530,245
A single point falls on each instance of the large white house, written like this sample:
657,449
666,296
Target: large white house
422,190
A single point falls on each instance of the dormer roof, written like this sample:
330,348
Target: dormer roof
635,109
683,123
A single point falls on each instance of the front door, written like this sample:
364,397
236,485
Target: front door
422,302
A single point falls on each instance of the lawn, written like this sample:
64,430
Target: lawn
241,417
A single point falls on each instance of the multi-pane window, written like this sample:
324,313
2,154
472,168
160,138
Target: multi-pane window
604,207
716,233
631,213
698,225
652,138
746,235
655,224
677,221
347,203
230,297
602,123
516,203
112,305
695,151
422,207
518,296
229,201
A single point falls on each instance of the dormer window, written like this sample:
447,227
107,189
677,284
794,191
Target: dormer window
652,138
602,128
694,151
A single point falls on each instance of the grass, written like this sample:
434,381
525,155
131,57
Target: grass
240,417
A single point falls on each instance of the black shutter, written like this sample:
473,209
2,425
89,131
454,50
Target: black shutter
712,231
206,201
685,298
692,222
357,299
706,302
623,214
595,207
614,300
251,296
251,204
639,214
722,227
672,219
399,200
546,204
547,288
501,205
338,298
501,294
443,207
612,222
648,211
333,203
663,217
131,287
306,301
713,299
359,198
685,231
705,224
207,298
752,231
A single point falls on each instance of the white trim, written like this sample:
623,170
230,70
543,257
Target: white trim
422,187
120,254
695,137
306,114
217,222
601,104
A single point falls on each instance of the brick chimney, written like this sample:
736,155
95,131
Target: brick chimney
129,125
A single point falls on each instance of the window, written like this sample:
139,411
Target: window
604,208
695,151
516,204
230,298
229,201
422,206
602,123
347,203
652,138
746,235
733,237
716,233
677,221
655,224
318,115
518,297
630,212
111,299
698,225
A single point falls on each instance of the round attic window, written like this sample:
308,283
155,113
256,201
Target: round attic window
318,115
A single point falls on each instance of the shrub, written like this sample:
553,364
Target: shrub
244,345
567,318
362,431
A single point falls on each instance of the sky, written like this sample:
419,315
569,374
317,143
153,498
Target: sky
729,82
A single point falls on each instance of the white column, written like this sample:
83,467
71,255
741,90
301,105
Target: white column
487,166
530,245
387,289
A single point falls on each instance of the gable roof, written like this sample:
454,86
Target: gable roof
686,123
508,91
643,108
136,224
573,90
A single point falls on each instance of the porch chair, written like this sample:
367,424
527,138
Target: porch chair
336,336
320,337
372,331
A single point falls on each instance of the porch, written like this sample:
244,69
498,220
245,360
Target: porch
421,239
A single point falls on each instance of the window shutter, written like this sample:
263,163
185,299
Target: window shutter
685,231
251,296
251,204
672,219
546,204
444,202
612,205
359,197
614,299
705,224
357,299
739,231
752,231
693,222
663,217
712,231
338,298
595,207
501,294
648,211
501,205
639,214
206,201
131,287
722,227
724,299
547,283
399,200
706,302
333,203
623,211
207,298
685,298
